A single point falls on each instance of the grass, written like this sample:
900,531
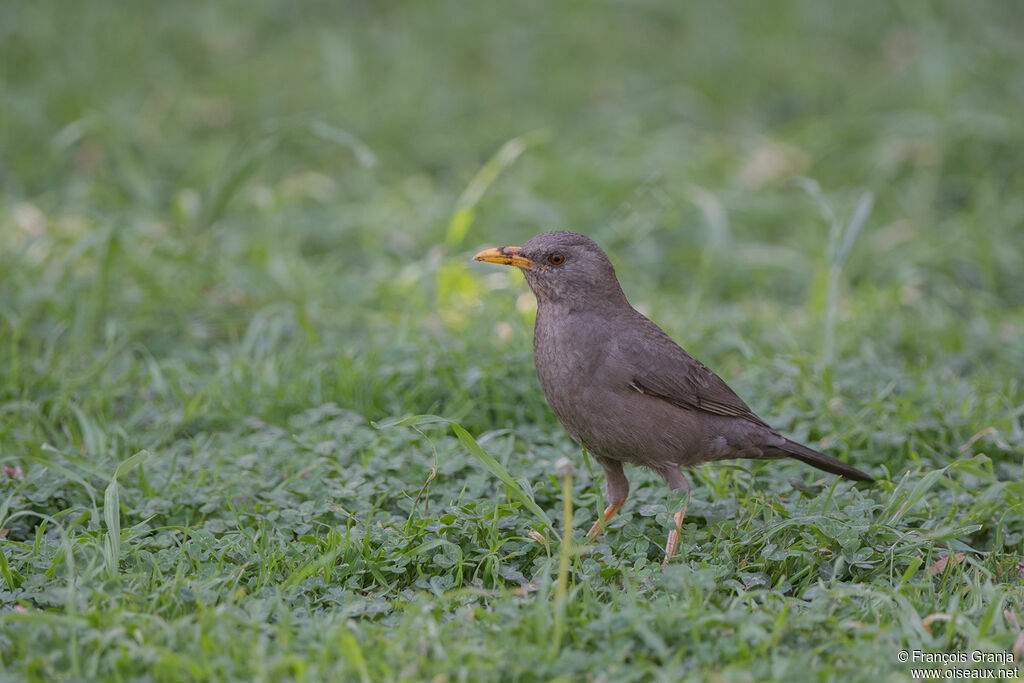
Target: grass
235,246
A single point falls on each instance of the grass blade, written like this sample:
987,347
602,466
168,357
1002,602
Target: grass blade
485,459
112,514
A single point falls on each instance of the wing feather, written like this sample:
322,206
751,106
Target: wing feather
664,370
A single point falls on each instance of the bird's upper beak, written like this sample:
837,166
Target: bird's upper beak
508,256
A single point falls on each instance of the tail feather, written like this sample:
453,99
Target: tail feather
823,462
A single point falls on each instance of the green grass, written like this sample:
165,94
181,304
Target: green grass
235,255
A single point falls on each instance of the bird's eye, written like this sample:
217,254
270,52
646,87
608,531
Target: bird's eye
556,259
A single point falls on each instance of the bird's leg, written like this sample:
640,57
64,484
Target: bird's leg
675,480
617,488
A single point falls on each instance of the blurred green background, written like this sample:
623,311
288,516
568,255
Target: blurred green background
232,234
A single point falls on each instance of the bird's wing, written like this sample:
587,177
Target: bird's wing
662,369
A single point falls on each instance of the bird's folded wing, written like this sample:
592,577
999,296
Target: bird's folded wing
675,376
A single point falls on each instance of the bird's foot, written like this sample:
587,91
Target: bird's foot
670,546
673,536
595,530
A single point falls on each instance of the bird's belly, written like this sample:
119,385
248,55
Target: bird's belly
630,427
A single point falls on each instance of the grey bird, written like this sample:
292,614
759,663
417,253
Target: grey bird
622,388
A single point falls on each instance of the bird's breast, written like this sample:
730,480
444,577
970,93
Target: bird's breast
565,355
571,353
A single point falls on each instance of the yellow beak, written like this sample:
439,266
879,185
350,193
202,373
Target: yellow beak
507,256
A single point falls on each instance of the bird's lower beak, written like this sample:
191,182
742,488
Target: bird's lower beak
507,256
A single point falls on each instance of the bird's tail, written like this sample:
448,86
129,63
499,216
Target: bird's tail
823,462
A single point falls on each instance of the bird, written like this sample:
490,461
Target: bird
623,388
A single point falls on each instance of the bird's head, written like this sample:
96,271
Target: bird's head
562,267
